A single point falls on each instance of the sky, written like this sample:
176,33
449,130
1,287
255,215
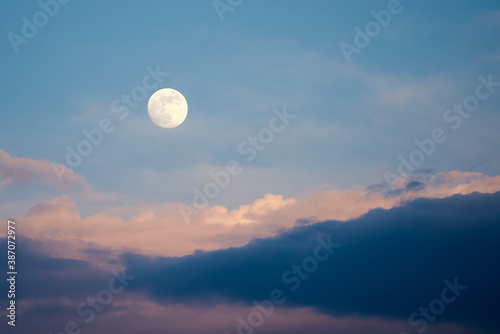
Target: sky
338,167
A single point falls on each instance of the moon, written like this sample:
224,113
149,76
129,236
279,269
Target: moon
167,108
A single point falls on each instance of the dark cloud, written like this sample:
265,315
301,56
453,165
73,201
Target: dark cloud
306,221
415,185
390,263
416,181
43,276
49,289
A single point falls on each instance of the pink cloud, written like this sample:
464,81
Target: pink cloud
161,229
28,172
133,313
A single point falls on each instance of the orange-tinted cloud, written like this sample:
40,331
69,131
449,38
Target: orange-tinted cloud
161,229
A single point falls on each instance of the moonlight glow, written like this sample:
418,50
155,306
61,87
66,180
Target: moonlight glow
167,108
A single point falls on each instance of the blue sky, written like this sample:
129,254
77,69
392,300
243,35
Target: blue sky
390,151
353,120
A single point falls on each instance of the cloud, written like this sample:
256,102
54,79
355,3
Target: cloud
132,313
390,263
28,172
43,179
53,288
144,228
49,277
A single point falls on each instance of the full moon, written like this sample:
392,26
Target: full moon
167,108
